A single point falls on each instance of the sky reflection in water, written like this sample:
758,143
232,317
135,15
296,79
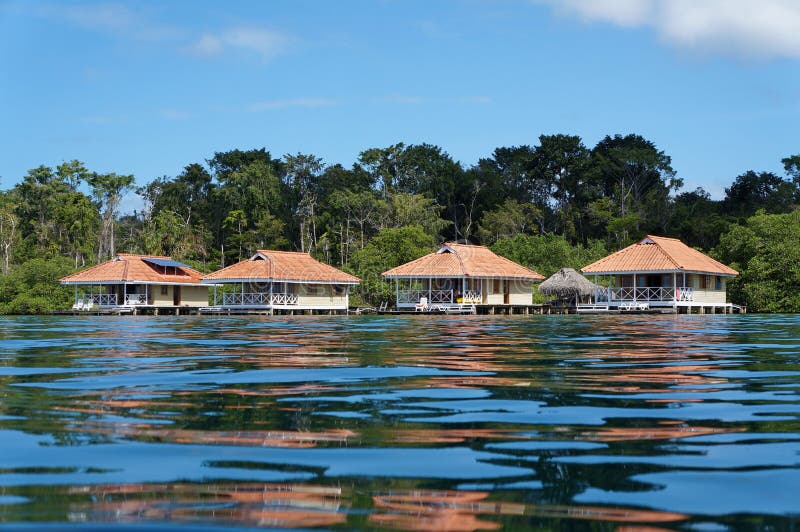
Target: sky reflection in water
448,423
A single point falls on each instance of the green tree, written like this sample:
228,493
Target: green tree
389,248
9,232
250,181
752,191
698,220
508,220
238,240
792,166
413,209
108,190
766,252
33,288
638,178
76,221
560,164
357,215
35,198
167,233
547,254
422,169
303,178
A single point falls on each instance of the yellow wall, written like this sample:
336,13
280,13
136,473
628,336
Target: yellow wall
320,295
191,296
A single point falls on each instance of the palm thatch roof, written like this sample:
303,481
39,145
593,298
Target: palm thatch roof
567,282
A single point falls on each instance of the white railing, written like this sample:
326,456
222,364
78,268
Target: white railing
410,296
135,299
440,296
645,294
472,296
101,300
685,293
256,299
285,299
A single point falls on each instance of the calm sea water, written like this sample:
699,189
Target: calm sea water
449,423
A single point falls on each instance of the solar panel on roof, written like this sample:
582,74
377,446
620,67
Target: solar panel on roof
166,262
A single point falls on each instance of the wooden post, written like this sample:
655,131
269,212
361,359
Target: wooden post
430,282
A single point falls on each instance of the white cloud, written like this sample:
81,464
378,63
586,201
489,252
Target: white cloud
113,18
628,13
140,22
749,28
174,114
261,42
98,120
419,100
207,46
292,102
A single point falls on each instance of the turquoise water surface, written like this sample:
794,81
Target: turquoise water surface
416,422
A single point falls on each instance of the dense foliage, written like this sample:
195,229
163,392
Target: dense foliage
766,250
554,204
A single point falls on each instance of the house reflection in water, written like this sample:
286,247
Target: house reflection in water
316,505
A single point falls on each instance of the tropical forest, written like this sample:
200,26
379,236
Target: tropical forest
556,203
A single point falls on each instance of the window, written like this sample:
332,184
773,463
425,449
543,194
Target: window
312,289
719,282
164,289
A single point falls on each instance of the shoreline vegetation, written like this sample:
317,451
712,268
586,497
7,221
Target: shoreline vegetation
556,204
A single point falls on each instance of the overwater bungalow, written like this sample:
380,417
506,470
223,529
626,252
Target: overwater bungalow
661,273
283,281
459,275
130,283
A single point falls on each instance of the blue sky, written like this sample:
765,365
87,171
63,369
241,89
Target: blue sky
145,88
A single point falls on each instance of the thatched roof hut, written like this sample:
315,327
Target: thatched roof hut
567,283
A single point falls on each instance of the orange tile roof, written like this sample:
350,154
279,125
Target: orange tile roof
130,268
462,260
658,253
282,266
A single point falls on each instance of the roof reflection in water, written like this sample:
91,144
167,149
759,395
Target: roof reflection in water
298,505
275,505
461,511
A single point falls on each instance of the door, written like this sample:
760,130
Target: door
506,292
176,295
